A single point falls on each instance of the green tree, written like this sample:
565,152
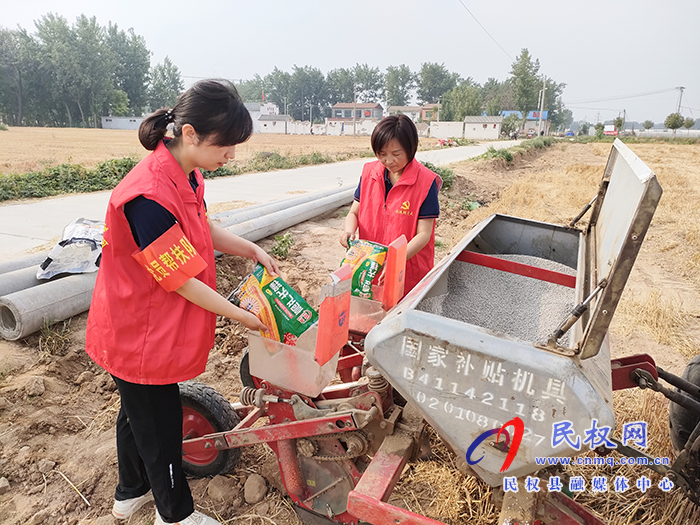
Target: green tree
688,123
525,84
95,63
278,86
583,128
511,123
11,88
370,83
118,104
340,85
433,81
648,124
166,85
618,122
462,101
674,121
599,129
399,82
131,66
252,90
308,93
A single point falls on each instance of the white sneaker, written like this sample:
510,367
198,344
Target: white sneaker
122,510
196,518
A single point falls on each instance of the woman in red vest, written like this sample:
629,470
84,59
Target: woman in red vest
397,195
153,312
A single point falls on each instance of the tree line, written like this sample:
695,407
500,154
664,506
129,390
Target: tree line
305,92
71,75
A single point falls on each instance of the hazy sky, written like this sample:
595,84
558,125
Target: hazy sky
606,51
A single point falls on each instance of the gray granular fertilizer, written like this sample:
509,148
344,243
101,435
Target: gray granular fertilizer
503,302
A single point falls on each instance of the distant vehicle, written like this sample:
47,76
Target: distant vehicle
532,132
569,133
610,130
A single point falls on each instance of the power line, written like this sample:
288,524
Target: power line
482,27
621,97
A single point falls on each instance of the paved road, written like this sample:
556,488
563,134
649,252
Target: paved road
29,225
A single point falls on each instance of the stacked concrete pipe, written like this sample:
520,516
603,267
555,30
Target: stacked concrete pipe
27,304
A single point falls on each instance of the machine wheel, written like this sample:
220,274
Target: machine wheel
681,420
244,370
205,411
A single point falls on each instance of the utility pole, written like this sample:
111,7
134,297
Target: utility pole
354,107
539,122
680,97
285,105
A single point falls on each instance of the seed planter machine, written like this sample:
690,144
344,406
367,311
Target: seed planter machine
511,326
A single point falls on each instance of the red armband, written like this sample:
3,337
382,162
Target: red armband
171,259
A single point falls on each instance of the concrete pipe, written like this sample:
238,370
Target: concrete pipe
24,312
17,280
262,227
229,218
22,262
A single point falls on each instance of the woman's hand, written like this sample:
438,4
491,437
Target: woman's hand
345,237
251,322
262,257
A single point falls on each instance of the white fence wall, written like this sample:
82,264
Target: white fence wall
446,130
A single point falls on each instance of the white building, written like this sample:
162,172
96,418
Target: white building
121,122
412,112
273,124
484,128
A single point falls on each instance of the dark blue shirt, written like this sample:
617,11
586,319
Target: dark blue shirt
149,220
429,209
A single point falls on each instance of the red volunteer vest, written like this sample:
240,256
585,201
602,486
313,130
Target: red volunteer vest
136,330
384,222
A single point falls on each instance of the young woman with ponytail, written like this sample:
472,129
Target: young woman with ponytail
153,312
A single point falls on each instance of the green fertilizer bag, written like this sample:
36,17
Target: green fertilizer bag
278,306
366,259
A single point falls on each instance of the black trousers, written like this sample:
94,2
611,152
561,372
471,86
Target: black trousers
149,448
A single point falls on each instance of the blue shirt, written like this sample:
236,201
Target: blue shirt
149,220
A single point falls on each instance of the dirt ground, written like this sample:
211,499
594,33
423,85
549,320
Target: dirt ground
89,147
57,446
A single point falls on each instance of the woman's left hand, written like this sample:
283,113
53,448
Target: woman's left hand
262,257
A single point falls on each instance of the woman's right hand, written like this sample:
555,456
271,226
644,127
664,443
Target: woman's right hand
251,322
345,237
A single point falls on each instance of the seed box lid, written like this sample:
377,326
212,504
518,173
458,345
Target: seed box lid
627,198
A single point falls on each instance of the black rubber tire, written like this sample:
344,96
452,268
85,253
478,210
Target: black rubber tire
681,420
244,370
217,410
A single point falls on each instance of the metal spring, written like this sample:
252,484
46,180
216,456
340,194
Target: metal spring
378,383
247,396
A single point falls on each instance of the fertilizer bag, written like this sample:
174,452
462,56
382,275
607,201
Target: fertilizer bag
278,306
366,259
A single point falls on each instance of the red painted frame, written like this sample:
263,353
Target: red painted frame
525,270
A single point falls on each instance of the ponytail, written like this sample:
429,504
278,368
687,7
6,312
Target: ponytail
152,130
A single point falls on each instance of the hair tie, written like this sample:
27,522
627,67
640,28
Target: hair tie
169,117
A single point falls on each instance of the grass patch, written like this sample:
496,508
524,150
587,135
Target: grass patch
55,338
508,154
3,127
74,178
283,243
446,174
